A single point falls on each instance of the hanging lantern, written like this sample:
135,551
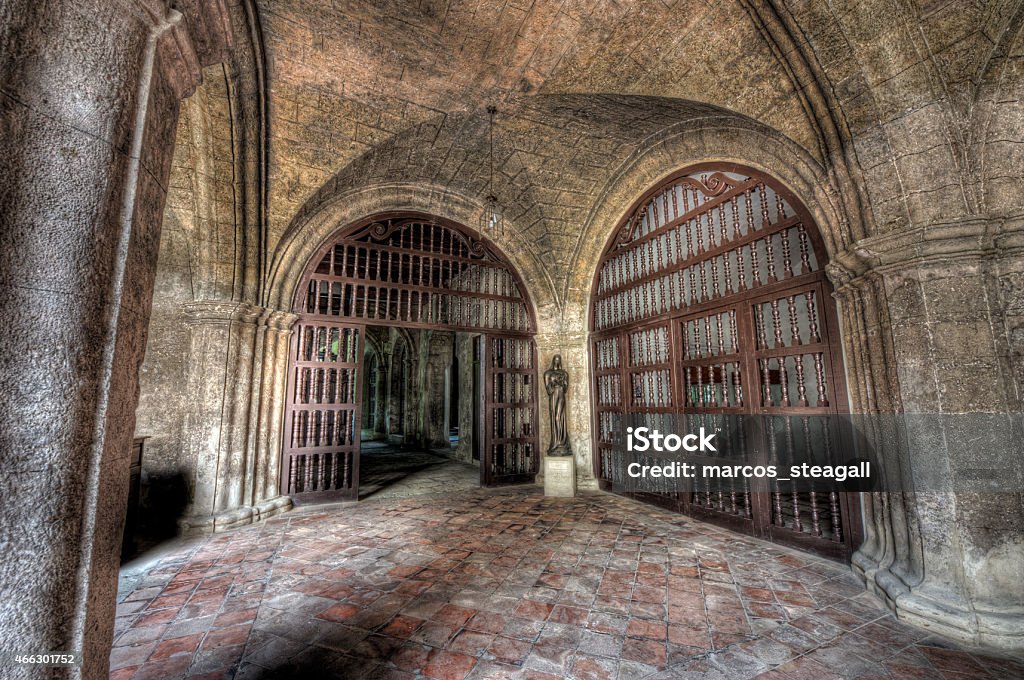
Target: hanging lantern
492,219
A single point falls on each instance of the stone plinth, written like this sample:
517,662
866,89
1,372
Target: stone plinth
560,476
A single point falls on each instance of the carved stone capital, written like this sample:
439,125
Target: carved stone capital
967,240
177,58
221,312
196,33
277,320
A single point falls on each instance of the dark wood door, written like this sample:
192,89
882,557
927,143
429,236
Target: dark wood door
413,271
510,410
711,309
321,456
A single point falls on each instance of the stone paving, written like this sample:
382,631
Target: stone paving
508,584
389,472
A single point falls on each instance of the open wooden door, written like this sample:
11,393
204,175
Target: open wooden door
511,452
413,271
321,452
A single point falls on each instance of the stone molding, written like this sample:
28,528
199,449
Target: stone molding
965,240
219,311
965,623
197,525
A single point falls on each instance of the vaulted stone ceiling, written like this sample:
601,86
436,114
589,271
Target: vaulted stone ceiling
347,79
367,92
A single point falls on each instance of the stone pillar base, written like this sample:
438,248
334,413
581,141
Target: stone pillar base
199,525
560,476
998,630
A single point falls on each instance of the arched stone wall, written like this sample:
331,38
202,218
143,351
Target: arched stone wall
919,549
721,137
309,234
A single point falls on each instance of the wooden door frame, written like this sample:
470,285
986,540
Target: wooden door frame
451,247
830,331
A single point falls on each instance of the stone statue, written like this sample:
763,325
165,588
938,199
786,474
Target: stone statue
556,382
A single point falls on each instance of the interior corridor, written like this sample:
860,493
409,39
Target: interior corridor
506,583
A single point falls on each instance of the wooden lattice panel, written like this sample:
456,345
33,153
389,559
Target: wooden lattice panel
322,445
608,394
510,410
417,274
713,296
411,271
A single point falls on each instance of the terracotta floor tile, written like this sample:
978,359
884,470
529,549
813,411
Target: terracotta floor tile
227,637
471,642
235,617
509,650
173,667
339,612
487,622
402,626
591,668
648,652
643,628
438,581
531,609
453,616
181,645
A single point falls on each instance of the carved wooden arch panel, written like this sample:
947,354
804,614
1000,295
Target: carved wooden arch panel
416,272
711,301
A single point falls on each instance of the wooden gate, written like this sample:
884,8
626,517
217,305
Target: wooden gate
710,303
510,411
321,452
413,271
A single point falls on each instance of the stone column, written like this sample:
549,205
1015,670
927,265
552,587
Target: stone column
950,562
223,392
89,98
268,431
435,407
380,394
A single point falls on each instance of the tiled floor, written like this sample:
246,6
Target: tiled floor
495,584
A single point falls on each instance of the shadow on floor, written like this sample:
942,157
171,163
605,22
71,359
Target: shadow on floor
391,472
156,520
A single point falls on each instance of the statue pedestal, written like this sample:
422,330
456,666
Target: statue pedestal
560,476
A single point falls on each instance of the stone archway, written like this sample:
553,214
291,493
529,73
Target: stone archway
415,271
711,304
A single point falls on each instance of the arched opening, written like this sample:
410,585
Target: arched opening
371,393
710,305
433,278
398,391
